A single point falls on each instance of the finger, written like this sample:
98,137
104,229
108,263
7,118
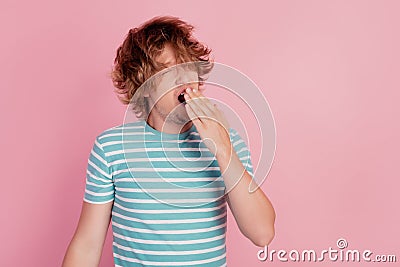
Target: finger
216,109
200,107
205,101
208,108
196,105
192,115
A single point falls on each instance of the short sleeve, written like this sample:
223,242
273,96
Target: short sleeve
99,183
242,150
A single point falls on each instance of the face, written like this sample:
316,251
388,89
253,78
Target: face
169,84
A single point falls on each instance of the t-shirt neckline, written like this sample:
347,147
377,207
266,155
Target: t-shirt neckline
164,135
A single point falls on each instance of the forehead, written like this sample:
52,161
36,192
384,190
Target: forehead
167,55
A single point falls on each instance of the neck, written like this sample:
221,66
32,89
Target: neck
167,127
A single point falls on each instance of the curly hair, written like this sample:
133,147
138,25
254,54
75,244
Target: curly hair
135,60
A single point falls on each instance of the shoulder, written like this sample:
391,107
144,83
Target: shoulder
116,132
233,132
234,135
238,142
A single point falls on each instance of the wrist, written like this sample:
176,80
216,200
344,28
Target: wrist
224,152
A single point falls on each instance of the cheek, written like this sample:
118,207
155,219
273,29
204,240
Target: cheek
167,101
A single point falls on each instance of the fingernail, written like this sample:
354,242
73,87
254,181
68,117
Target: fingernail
188,90
194,90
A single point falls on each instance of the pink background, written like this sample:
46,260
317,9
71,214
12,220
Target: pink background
329,70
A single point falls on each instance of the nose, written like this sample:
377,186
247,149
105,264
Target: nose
186,74
181,76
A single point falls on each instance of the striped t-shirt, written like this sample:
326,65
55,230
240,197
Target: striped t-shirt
169,204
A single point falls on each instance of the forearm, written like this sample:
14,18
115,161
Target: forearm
87,243
253,212
80,254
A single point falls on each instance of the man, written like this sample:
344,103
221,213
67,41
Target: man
166,209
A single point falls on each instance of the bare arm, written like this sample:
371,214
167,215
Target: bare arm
253,212
87,243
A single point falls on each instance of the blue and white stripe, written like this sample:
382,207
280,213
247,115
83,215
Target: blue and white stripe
169,205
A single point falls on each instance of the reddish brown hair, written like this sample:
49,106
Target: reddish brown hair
135,60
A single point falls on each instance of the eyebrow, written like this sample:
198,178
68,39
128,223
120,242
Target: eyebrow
166,63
